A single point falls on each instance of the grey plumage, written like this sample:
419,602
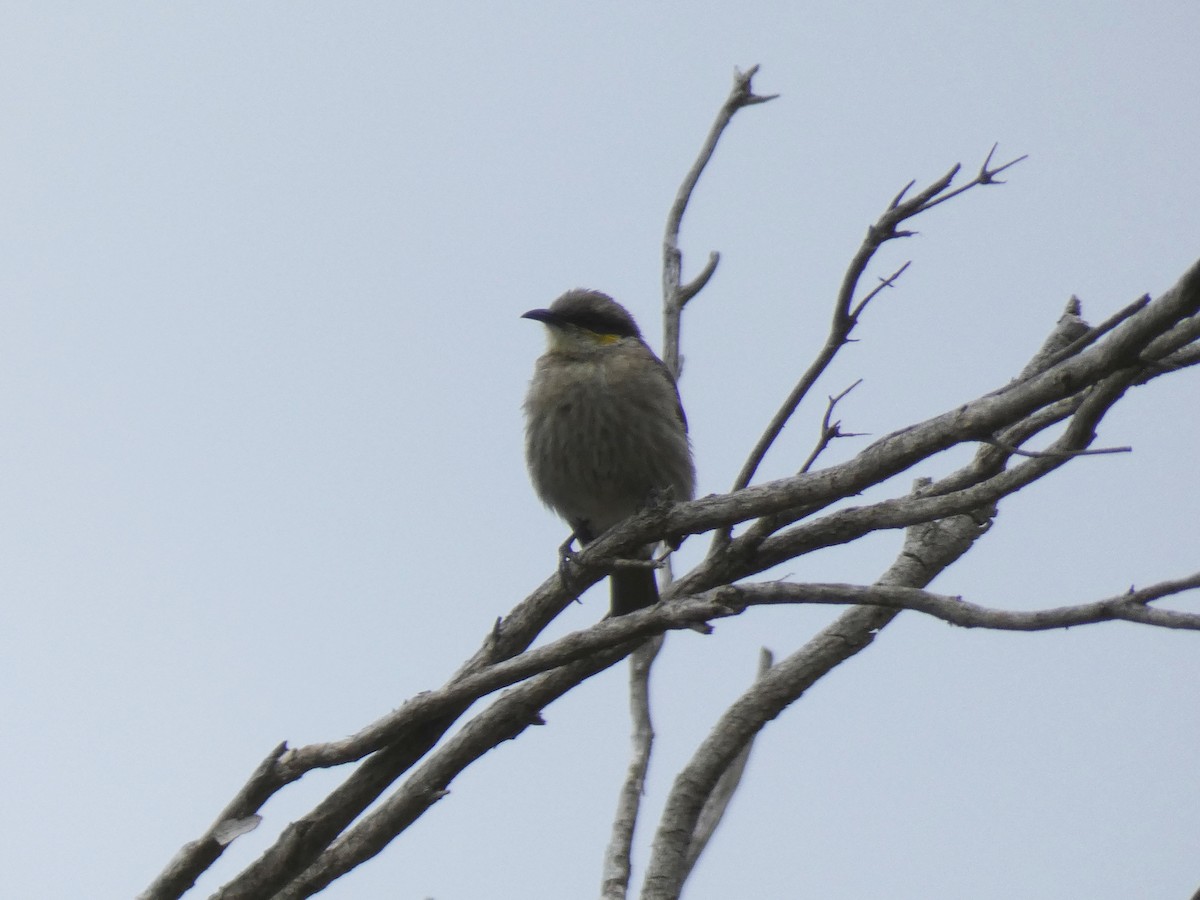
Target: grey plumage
605,432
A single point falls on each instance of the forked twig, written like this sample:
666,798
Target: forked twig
830,430
676,294
846,312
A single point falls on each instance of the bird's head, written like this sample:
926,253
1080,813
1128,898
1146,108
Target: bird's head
582,321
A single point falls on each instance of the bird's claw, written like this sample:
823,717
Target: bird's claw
567,558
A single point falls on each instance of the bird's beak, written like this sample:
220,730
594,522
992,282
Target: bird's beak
541,315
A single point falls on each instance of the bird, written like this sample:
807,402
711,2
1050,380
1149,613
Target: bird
605,431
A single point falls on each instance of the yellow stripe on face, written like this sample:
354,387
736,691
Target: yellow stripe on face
572,338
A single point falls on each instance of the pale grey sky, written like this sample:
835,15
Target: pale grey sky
260,375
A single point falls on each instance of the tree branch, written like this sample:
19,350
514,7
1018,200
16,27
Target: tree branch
511,714
1079,377
675,293
726,786
617,862
846,313
617,868
928,550
1132,606
1161,328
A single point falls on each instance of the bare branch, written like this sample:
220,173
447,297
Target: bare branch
929,504
717,803
1062,454
1079,380
830,430
981,484
884,283
617,859
693,287
846,313
511,714
615,879
1094,334
928,550
1131,606
406,735
986,175
1092,406
1066,331
195,857
675,293
1159,329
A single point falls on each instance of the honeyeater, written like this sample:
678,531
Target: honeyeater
605,433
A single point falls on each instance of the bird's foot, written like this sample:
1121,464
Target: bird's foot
661,500
568,561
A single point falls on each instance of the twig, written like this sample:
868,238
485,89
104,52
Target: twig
830,430
1045,454
614,884
846,313
717,803
985,175
839,334
1155,331
884,283
768,525
676,294
1131,606
934,502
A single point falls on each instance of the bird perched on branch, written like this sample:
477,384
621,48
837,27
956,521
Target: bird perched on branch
605,433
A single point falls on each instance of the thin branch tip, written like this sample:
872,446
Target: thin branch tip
760,98
697,284
766,659
743,92
900,196
987,175
1054,454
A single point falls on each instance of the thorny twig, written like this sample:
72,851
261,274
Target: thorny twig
846,313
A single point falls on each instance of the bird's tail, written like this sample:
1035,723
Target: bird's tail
632,589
